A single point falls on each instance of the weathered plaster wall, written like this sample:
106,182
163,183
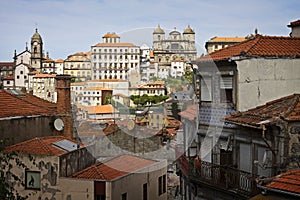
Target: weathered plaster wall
262,80
25,128
132,184
74,189
48,167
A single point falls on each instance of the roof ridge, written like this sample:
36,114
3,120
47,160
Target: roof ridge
256,39
45,146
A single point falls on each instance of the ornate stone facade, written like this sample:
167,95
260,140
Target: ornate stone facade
175,45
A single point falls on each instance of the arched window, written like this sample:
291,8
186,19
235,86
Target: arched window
35,49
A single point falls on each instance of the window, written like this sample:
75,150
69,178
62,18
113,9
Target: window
18,77
145,191
21,72
206,89
162,185
226,92
32,180
124,196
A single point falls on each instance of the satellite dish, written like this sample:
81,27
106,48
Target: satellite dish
59,124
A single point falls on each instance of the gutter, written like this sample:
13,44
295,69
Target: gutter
277,191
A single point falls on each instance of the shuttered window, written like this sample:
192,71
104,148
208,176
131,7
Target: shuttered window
226,91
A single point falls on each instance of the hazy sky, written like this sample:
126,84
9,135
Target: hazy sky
69,26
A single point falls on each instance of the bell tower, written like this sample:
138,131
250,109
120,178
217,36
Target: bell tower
36,51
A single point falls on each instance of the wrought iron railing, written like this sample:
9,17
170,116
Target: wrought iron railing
222,177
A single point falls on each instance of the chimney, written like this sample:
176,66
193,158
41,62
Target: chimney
64,108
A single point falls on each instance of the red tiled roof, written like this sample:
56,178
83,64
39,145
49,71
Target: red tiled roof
114,168
287,108
288,181
227,39
39,146
115,45
294,23
14,105
5,64
111,35
189,113
261,46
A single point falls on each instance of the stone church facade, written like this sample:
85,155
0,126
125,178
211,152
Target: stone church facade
174,46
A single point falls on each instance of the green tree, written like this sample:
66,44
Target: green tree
107,99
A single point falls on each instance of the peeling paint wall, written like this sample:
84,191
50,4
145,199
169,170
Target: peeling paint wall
262,80
48,168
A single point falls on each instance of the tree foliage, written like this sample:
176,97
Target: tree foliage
145,99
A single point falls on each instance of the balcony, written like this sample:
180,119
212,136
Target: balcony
221,178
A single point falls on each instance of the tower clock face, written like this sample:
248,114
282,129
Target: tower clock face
35,43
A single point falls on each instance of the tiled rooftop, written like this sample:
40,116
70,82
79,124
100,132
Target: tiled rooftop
115,45
15,104
288,181
104,109
227,39
259,46
5,64
96,88
111,35
114,168
294,23
190,113
40,146
287,108
45,76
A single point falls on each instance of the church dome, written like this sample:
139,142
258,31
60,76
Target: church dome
36,35
188,30
159,30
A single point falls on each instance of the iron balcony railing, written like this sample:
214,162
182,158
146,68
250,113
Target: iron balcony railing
221,177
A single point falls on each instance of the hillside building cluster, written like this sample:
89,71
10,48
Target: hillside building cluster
105,124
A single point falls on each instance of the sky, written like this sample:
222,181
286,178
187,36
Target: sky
70,26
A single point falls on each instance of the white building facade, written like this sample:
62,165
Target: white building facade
112,59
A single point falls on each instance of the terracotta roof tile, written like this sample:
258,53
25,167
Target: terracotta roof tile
114,168
294,23
115,45
39,146
227,39
259,46
23,104
5,64
105,109
111,35
97,88
190,113
287,108
45,76
288,181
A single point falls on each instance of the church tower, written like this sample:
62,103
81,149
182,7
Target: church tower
158,37
36,51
